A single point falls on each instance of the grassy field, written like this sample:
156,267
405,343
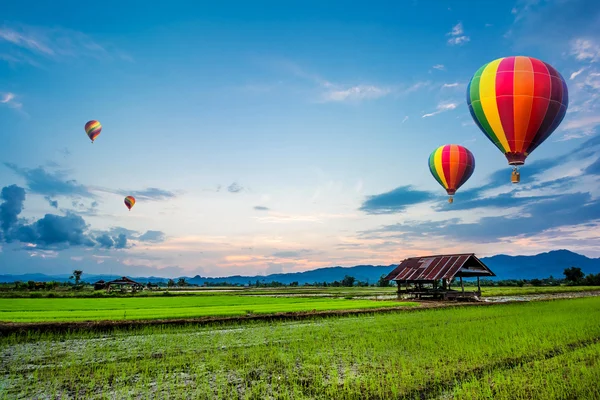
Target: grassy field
161,307
537,350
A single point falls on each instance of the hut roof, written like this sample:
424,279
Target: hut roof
430,268
124,281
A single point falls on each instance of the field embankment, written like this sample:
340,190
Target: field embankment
536,350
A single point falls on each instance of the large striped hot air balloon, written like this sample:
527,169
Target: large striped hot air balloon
129,202
93,129
451,165
517,102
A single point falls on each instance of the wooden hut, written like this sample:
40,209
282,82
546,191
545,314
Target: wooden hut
431,276
124,283
101,284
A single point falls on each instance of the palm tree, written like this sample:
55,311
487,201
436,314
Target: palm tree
77,274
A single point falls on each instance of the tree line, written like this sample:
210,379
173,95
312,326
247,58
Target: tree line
572,276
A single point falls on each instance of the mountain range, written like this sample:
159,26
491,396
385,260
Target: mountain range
505,267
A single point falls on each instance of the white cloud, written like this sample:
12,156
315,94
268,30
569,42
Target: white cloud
25,43
404,119
329,91
449,85
442,107
580,128
576,73
356,93
7,97
9,100
458,40
456,35
585,49
523,8
439,67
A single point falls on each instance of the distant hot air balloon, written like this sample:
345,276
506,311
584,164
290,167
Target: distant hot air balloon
129,202
517,102
451,165
93,129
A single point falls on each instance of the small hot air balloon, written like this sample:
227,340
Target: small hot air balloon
93,129
451,165
517,102
129,202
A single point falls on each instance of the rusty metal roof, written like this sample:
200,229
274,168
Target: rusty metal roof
124,281
430,268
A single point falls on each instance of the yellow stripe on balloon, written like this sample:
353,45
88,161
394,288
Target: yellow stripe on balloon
487,93
438,166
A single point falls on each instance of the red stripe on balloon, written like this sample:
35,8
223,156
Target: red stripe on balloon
555,99
541,100
462,165
446,165
504,98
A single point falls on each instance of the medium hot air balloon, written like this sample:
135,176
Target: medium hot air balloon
129,202
93,129
517,102
451,165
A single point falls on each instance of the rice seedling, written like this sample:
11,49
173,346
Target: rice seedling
446,353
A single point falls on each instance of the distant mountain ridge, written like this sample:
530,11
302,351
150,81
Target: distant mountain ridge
505,267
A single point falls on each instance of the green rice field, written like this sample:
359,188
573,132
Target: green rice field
164,307
534,350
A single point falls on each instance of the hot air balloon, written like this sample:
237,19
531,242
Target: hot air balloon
93,129
517,102
129,202
451,165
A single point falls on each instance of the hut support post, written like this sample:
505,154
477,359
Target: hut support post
478,287
462,286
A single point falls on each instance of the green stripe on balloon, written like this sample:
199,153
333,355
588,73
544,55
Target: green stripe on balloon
478,109
433,170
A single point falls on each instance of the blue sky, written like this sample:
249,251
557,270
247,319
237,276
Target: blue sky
270,137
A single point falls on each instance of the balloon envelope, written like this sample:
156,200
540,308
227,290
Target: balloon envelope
451,165
517,102
129,202
93,129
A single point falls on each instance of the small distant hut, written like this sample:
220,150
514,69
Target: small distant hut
431,276
101,284
124,283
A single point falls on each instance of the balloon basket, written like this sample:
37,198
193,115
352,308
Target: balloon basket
450,200
515,176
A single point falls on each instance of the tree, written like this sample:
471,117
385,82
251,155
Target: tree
171,283
382,282
573,274
77,275
592,280
348,281
181,282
